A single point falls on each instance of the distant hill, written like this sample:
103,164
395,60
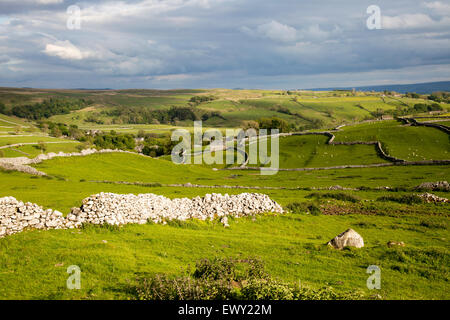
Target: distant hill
422,88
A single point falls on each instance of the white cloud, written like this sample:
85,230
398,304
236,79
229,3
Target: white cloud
44,2
407,21
273,30
180,77
439,7
277,31
110,11
314,32
65,50
173,42
49,1
173,77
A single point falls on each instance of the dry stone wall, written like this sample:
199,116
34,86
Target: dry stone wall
121,209
22,164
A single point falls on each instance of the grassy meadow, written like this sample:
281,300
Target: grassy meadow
374,201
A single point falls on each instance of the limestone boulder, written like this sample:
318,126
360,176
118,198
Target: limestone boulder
348,238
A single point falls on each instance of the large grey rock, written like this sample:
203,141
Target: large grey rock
439,185
348,238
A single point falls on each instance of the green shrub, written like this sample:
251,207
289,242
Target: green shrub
224,279
229,269
433,225
326,293
338,196
406,199
304,207
266,289
161,287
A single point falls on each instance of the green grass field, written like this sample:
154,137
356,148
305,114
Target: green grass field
32,151
292,245
404,142
33,263
71,179
331,108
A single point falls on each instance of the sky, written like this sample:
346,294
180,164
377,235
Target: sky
266,44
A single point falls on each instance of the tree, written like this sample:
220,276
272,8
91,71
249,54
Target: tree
42,146
274,123
250,124
141,133
47,108
55,132
2,107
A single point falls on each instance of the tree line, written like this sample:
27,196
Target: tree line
46,108
143,115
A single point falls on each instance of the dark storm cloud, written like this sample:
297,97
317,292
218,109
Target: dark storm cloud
222,43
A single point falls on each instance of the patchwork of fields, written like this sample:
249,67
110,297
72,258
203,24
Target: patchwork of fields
380,203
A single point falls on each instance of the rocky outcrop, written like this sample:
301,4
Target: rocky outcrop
348,238
439,186
431,198
121,209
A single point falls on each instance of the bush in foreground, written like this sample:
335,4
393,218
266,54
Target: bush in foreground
225,279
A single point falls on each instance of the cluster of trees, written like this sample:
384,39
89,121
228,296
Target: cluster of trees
440,96
48,108
196,100
211,114
115,141
94,119
61,129
164,148
281,125
155,144
274,123
412,95
2,108
423,107
110,140
142,115
417,108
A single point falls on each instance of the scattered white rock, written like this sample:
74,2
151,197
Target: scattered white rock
395,243
120,209
349,238
224,221
439,185
429,197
